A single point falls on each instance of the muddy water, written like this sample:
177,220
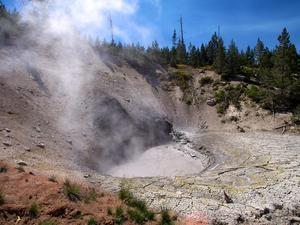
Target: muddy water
166,160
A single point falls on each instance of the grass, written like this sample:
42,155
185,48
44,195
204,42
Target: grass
119,216
138,211
72,191
3,170
34,210
166,218
92,221
76,193
47,222
2,198
91,195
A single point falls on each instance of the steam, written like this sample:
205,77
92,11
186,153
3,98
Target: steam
64,64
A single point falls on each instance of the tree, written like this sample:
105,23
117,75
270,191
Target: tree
219,61
203,56
259,51
232,62
250,56
181,52
285,61
212,49
193,56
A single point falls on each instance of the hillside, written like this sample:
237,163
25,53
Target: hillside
94,132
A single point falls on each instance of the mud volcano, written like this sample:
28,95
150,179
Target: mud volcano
144,146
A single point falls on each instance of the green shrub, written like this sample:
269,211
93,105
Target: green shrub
3,170
137,216
139,211
92,221
229,95
182,79
47,222
119,216
2,198
72,191
296,116
205,81
256,94
166,218
34,210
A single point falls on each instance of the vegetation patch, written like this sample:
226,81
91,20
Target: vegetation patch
138,211
205,81
3,170
166,218
47,222
2,198
34,210
72,191
92,221
231,94
182,79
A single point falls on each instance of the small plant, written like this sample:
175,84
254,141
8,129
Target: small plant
52,179
72,191
34,210
92,221
2,198
205,81
3,170
47,222
136,216
139,212
166,218
119,216
91,195
109,211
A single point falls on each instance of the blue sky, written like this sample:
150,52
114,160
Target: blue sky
241,20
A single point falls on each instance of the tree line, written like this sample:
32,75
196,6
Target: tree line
274,73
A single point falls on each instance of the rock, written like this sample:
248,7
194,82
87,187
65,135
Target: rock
41,145
27,149
7,130
37,129
22,163
87,176
70,142
240,129
211,102
7,143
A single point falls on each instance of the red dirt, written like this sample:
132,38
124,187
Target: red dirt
21,189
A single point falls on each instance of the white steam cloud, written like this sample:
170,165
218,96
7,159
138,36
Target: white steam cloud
91,17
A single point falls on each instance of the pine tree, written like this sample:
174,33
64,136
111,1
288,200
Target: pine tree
219,61
259,51
193,56
203,56
232,62
285,61
211,49
250,56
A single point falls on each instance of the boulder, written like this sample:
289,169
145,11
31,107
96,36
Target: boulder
211,102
